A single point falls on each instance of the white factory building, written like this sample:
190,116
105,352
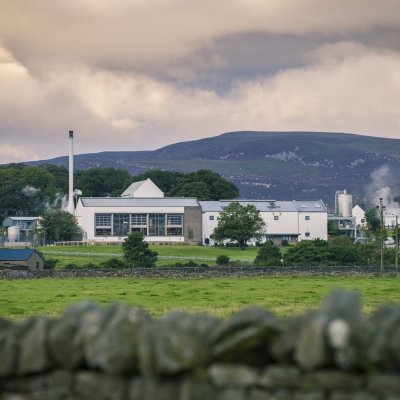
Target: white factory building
143,207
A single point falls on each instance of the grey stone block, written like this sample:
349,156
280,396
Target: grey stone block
152,389
181,342
356,395
65,342
99,386
384,383
222,376
8,351
332,379
280,377
197,389
232,394
249,330
33,356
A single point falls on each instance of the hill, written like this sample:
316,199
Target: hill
281,165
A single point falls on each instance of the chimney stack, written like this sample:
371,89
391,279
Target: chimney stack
71,206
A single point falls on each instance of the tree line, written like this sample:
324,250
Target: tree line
27,190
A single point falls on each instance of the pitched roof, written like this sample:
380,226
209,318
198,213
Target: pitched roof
16,254
132,188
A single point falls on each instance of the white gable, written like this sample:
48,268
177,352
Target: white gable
145,188
359,214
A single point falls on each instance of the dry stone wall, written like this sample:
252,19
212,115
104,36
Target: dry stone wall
120,352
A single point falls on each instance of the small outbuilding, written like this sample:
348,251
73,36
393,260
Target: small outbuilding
29,258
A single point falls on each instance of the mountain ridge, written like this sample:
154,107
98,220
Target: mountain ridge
287,165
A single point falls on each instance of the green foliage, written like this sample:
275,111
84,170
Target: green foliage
60,175
205,185
25,190
373,221
113,262
268,255
239,223
136,251
59,225
71,266
101,182
222,260
50,263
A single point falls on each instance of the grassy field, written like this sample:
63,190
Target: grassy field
81,255
219,296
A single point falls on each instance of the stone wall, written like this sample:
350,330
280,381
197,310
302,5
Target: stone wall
201,272
120,352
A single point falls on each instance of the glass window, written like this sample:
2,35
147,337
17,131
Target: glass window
156,224
307,217
307,234
174,219
139,229
103,232
103,219
139,219
120,224
276,217
211,217
174,231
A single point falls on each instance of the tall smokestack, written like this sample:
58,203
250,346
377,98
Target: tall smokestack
71,173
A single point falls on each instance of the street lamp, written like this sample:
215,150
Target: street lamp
381,208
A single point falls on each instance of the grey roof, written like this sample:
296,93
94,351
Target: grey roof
268,205
139,202
23,218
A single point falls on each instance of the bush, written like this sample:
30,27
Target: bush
50,263
285,243
268,255
71,266
113,262
222,260
136,252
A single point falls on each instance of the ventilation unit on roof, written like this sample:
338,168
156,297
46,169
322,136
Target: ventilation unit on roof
271,205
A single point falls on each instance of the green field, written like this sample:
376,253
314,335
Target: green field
218,296
81,255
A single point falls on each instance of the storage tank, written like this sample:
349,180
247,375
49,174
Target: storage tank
13,233
344,204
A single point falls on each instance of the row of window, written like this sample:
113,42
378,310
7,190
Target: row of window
276,217
148,224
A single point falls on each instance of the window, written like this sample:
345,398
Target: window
174,219
307,217
121,224
139,229
156,224
276,217
103,223
139,219
307,234
174,231
211,217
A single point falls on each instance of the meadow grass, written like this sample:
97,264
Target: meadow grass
174,252
215,296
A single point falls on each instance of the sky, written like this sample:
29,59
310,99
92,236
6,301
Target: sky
141,74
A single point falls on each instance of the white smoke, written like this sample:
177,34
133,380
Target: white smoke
29,190
381,187
60,202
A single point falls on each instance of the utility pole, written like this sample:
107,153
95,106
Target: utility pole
380,208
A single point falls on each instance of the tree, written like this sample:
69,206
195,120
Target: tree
205,185
373,221
59,225
268,255
101,182
136,251
239,223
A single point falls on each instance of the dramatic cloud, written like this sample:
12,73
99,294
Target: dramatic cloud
142,74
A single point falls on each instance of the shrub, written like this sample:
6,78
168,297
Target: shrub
136,252
71,266
222,260
50,263
113,262
268,255
285,243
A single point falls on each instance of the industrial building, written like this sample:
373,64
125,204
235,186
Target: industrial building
187,220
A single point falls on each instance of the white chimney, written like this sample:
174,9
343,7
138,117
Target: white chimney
71,173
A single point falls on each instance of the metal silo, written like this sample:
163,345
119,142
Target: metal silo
343,204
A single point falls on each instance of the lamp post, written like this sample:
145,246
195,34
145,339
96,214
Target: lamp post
381,208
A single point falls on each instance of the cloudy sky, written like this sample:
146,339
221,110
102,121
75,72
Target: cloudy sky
140,74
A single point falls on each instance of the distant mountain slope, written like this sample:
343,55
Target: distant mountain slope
282,165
